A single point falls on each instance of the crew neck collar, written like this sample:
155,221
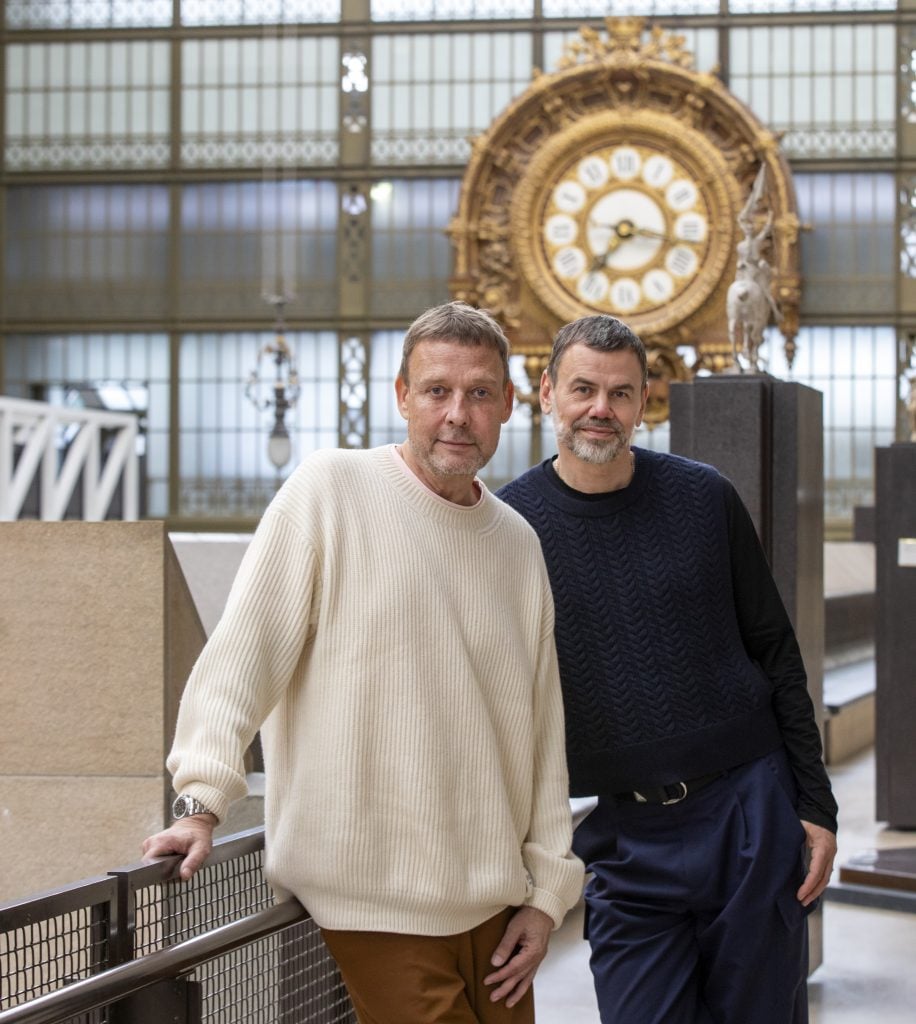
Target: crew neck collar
603,503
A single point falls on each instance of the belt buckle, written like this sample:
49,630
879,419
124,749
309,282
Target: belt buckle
642,799
676,799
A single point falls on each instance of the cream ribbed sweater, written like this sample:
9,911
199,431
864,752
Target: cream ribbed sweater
401,649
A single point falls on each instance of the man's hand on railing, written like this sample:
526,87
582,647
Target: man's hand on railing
192,837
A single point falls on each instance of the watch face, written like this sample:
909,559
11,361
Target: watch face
624,229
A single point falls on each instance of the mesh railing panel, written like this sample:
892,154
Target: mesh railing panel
285,977
54,940
288,977
169,912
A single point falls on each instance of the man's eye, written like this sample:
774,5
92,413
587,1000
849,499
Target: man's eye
437,391
481,393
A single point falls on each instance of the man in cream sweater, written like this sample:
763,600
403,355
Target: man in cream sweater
390,631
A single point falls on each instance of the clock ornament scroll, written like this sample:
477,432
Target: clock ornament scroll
614,185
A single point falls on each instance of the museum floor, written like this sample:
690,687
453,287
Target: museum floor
867,972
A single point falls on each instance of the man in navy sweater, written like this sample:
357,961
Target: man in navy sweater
687,711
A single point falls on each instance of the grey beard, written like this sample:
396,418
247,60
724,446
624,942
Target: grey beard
597,453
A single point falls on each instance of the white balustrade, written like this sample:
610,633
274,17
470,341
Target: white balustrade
35,428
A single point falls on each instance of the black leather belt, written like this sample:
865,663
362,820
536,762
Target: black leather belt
673,793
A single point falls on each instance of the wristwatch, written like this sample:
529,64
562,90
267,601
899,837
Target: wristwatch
185,806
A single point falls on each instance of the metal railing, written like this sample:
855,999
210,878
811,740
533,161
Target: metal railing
140,946
55,449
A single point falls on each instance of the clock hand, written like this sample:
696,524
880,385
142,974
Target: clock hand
599,262
626,229
650,233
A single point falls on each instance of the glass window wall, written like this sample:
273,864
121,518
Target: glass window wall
855,368
449,10
411,254
243,241
83,14
830,88
82,252
848,252
225,469
267,101
258,12
87,105
432,93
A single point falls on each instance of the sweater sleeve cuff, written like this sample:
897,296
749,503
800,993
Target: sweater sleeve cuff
551,905
808,812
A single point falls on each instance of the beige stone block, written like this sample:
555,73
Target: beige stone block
54,830
98,632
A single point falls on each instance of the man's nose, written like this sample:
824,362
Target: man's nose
458,408
601,408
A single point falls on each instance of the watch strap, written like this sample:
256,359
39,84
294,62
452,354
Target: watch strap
187,806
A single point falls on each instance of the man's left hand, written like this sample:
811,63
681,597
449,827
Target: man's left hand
822,847
519,955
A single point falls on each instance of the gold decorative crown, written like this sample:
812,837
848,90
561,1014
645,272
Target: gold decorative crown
624,44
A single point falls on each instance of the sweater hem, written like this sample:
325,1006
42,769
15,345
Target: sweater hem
663,762
337,915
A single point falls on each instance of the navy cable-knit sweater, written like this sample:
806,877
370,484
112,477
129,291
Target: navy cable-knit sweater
676,653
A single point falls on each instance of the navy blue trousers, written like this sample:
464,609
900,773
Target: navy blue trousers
691,911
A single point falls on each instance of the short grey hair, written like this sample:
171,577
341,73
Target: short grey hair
602,332
460,323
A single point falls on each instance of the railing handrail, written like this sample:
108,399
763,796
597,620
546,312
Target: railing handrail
37,410
50,902
39,906
161,965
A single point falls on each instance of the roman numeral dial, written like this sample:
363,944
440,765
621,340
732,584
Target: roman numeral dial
624,229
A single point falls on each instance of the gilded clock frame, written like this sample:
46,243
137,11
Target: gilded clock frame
618,88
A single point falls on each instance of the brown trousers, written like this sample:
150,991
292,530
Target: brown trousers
421,979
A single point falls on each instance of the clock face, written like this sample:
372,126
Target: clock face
624,229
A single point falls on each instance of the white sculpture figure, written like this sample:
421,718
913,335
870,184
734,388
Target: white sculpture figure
749,303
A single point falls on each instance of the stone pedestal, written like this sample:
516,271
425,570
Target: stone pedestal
895,634
766,436
99,633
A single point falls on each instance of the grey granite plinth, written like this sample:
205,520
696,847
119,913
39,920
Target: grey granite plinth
766,436
895,634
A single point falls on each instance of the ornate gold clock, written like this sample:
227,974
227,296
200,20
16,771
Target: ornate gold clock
614,186
621,215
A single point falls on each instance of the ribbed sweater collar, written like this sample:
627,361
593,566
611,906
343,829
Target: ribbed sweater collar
479,518
576,503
